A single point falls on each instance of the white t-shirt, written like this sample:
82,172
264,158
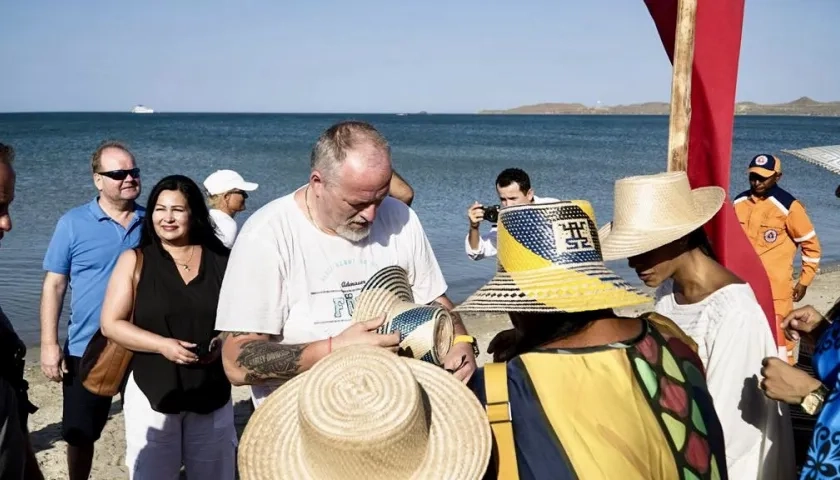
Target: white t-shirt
225,226
487,242
288,279
733,337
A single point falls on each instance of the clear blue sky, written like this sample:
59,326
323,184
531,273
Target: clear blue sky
382,56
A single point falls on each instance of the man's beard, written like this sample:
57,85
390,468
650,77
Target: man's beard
354,235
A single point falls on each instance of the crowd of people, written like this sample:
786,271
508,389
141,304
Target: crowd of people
699,387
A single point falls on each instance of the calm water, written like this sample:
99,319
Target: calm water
450,160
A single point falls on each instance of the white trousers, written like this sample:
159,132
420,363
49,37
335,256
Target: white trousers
158,443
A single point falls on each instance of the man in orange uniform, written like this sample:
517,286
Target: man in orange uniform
776,224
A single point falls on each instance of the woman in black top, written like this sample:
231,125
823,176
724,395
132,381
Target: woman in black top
177,401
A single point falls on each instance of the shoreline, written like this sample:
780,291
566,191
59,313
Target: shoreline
827,267
109,459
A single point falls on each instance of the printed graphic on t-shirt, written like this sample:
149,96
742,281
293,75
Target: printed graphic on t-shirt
333,299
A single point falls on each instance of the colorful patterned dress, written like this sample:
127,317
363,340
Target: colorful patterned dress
823,461
633,410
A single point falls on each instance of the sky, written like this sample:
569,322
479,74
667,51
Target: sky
382,56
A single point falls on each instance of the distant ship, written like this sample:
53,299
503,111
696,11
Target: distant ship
141,109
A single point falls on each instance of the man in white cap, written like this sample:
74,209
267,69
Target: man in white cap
226,195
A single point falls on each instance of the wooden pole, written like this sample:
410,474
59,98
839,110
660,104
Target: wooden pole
680,118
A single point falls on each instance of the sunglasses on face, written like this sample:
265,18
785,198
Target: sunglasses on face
240,192
754,177
121,175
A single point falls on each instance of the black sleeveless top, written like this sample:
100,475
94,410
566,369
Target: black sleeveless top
165,305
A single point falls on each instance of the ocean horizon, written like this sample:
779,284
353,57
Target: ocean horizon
450,159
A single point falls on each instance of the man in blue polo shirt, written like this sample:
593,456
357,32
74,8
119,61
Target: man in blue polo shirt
82,253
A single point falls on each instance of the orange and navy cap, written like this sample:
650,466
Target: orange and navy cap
765,165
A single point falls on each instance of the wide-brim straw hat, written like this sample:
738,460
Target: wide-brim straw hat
365,413
426,332
549,260
654,210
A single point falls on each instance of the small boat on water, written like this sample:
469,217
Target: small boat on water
141,109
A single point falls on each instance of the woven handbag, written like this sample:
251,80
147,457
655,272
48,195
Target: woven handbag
104,364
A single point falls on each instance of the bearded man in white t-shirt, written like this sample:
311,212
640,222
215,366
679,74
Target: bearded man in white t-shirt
300,261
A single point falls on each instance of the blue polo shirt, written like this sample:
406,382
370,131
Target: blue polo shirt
85,247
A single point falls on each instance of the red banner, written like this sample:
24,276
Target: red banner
717,46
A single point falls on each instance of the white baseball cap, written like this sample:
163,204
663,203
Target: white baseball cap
222,181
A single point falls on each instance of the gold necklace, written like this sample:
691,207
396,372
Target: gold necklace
186,265
308,211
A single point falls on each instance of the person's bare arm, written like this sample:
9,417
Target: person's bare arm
52,298
461,358
400,189
117,308
116,313
457,323
254,359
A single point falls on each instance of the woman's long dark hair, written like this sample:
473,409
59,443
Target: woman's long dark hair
699,239
201,229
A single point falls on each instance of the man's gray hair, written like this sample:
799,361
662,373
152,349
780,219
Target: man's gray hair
331,148
7,154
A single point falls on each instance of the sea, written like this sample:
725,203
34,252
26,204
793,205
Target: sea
450,161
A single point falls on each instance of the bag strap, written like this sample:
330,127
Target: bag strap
666,325
498,412
138,268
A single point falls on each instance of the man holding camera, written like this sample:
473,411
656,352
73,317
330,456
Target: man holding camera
514,188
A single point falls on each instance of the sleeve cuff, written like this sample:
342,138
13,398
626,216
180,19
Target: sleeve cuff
470,251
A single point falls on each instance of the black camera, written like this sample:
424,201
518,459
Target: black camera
491,213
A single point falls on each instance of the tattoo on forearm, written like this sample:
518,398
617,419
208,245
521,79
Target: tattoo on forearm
264,360
456,319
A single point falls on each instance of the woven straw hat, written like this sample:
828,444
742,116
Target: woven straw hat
549,260
365,413
654,210
426,332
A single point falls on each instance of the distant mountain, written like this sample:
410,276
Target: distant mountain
802,106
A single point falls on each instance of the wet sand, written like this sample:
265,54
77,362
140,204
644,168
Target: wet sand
109,461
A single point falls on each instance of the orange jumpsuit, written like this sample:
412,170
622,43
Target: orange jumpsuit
777,225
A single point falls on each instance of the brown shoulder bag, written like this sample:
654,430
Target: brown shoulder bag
104,364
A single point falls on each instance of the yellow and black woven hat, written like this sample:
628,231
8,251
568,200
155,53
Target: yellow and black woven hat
549,260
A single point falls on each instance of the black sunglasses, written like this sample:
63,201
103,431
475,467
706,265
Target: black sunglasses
241,192
121,175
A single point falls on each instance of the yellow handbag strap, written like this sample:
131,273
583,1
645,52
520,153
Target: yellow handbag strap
498,412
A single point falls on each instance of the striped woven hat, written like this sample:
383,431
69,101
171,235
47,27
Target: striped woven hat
363,413
550,260
426,332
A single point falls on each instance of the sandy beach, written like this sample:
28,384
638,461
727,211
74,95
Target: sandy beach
45,424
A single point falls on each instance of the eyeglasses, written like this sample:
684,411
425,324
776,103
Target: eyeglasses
121,175
241,192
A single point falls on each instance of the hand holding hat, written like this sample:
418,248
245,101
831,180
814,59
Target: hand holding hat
426,331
